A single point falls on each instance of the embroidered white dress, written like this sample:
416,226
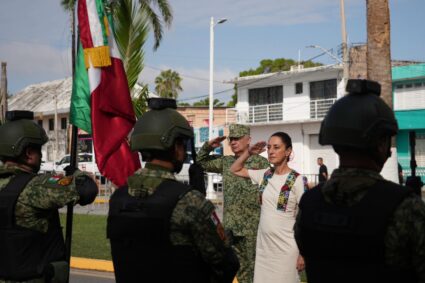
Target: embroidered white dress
276,252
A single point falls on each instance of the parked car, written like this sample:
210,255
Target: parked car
85,163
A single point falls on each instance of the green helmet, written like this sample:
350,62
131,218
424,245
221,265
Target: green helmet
18,134
158,128
358,119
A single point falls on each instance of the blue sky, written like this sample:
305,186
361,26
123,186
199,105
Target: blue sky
35,38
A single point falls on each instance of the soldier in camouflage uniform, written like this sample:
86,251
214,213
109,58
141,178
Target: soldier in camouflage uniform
241,205
31,241
160,229
359,227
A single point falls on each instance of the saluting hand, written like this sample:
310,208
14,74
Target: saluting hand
257,148
216,142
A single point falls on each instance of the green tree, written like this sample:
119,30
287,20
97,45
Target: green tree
168,84
206,102
276,65
184,104
232,103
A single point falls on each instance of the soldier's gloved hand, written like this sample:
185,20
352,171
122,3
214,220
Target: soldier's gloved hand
196,178
415,183
86,188
70,170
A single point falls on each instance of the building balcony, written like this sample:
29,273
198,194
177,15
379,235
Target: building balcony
319,107
281,112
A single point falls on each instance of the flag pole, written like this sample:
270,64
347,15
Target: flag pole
73,154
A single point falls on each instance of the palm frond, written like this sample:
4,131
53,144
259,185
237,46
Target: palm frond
131,31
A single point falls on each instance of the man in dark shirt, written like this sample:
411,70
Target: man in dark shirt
323,170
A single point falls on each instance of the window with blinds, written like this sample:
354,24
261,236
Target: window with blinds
323,89
265,95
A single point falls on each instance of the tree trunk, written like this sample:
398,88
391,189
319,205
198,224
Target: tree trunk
379,66
3,93
378,47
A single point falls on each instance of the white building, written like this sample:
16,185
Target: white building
294,102
45,99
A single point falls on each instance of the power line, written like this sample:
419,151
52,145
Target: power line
282,81
186,76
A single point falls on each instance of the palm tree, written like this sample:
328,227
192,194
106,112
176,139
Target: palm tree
168,84
133,21
378,46
206,102
131,32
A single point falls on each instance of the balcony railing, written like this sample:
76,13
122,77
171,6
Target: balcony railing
276,112
319,108
266,113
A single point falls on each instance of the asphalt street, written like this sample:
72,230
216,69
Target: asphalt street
87,276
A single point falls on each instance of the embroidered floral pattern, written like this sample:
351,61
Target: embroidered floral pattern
267,176
284,191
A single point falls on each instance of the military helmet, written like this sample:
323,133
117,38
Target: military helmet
358,119
158,128
19,132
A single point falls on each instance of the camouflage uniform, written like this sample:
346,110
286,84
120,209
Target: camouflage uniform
44,194
406,229
191,222
241,212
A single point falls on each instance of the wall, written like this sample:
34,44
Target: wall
198,118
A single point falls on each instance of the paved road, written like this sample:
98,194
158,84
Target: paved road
86,276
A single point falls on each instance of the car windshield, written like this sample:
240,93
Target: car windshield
66,159
85,158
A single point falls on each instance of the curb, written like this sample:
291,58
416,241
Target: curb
97,265
92,264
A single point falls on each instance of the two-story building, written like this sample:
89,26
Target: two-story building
409,107
294,102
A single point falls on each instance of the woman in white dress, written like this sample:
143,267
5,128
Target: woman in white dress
277,257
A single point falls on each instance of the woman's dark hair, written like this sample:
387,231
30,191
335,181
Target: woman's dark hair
284,137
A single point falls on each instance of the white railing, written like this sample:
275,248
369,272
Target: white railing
265,113
319,107
275,112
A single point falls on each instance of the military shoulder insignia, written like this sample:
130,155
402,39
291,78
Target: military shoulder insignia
219,227
65,181
54,179
60,180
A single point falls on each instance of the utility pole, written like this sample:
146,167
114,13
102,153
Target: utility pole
345,61
3,93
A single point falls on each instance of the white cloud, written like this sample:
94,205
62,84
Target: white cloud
195,81
35,60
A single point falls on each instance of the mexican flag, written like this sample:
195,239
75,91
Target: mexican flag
101,103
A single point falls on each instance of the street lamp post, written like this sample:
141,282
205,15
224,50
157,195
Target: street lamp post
210,189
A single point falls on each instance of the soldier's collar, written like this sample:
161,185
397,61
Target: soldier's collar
152,166
355,172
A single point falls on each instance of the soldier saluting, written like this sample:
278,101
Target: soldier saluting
160,229
32,247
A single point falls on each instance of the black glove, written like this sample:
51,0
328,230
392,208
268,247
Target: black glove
196,178
415,183
69,170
